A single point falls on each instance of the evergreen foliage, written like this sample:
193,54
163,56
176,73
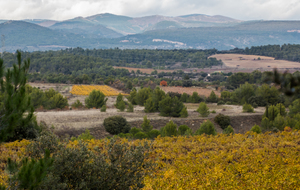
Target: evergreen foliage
16,113
169,130
140,135
184,113
149,106
116,124
132,97
206,128
134,130
142,95
182,129
228,130
121,105
170,107
130,108
222,120
248,108
153,133
212,97
95,99
84,136
256,129
294,108
279,122
77,104
203,109
103,108
146,127
266,124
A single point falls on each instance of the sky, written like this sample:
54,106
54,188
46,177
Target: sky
68,9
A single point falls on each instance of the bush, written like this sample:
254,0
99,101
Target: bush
116,124
279,122
146,127
142,95
84,136
248,108
182,129
222,120
169,130
140,135
125,135
206,128
134,130
212,97
188,133
256,129
214,111
294,108
184,113
228,130
255,105
95,99
203,109
266,124
121,105
103,108
130,108
220,102
77,104
149,106
170,107
153,134
109,170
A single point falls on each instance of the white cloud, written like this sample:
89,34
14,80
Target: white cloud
67,9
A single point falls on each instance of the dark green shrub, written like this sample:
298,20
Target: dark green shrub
146,127
266,124
228,130
169,130
121,105
258,100
116,124
142,95
184,113
222,120
203,109
188,133
220,102
103,108
279,122
255,105
214,111
140,135
77,104
126,135
182,129
170,107
153,133
256,129
212,97
130,108
248,108
294,108
134,130
95,99
149,106
206,128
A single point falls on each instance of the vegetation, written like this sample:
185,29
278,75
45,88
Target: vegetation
206,128
248,108
222,120
203,109
116,124
170,107
228,130
95,99
169,130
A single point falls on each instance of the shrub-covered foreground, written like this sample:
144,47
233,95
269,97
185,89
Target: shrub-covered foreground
240,161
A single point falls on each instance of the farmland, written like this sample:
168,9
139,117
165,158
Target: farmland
85,90
254,62
189,90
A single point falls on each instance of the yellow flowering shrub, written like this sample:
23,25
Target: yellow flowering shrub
240,161
85,90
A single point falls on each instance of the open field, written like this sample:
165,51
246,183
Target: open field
85,90
251,62
189,90
148,71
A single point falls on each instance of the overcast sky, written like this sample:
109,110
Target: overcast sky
67,9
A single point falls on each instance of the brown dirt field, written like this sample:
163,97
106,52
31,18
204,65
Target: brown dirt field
251,62
189,90
74,122
148,71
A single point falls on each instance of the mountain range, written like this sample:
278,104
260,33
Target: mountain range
163,32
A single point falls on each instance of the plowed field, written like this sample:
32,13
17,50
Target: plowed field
189,90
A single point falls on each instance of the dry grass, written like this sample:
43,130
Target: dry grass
252,62
194,106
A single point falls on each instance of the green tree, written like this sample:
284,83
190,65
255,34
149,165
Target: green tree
294,108
16,114
256,129
132,97
184,97
169,130
184,113
170,107
130,108
203,110
248,108
121,105
149,106
146,127
95,99
58,101
279,122
212,97
228,130
157,95
206,128
195,98
225,95
142,95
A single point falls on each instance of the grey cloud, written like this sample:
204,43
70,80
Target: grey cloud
67,9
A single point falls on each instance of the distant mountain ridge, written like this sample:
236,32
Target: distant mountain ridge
163,32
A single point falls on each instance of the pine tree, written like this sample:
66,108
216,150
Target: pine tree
184,112
16,115
146,127
170,107
95,99
203,109
149,106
